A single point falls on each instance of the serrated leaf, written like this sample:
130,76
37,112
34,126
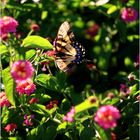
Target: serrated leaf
36,42
9,85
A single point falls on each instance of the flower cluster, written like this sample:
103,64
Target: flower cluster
70,115
22,70
129,14
8,25
28,120
3,100
10,127
26,86
52,104
107,116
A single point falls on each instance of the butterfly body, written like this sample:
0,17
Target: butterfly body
68,51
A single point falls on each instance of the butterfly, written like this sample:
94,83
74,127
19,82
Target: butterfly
68,51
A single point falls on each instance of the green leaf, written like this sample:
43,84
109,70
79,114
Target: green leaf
50,82
112,9
3,49
62,126
44,15
104,135
87,104
30,54
36,42
9,85
50,133
41,109
134,90
122,30
14,138
87,132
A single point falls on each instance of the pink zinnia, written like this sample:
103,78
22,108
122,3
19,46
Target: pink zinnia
70,115
129,14
22,70
3,100
8,25
10,127
107,116
25,87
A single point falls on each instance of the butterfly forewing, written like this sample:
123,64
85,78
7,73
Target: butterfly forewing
68,51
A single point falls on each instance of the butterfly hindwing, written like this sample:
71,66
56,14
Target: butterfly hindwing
68,51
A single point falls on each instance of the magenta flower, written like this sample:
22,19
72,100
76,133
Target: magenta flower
129,14
3,99
28,120
70,115
107,116
25,87
22,70
8,25
10,127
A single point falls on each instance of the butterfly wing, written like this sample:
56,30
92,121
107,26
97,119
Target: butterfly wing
68,51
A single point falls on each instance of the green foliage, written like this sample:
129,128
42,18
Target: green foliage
111,46
9,85
36,42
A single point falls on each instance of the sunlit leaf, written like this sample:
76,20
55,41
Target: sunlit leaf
36,42
9,85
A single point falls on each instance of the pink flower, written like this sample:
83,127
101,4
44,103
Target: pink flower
129,14
33,100
70,115
10,127
107,116
3,99
25,87
28,120
22,70
8,25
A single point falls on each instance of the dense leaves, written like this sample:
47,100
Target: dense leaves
64,105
